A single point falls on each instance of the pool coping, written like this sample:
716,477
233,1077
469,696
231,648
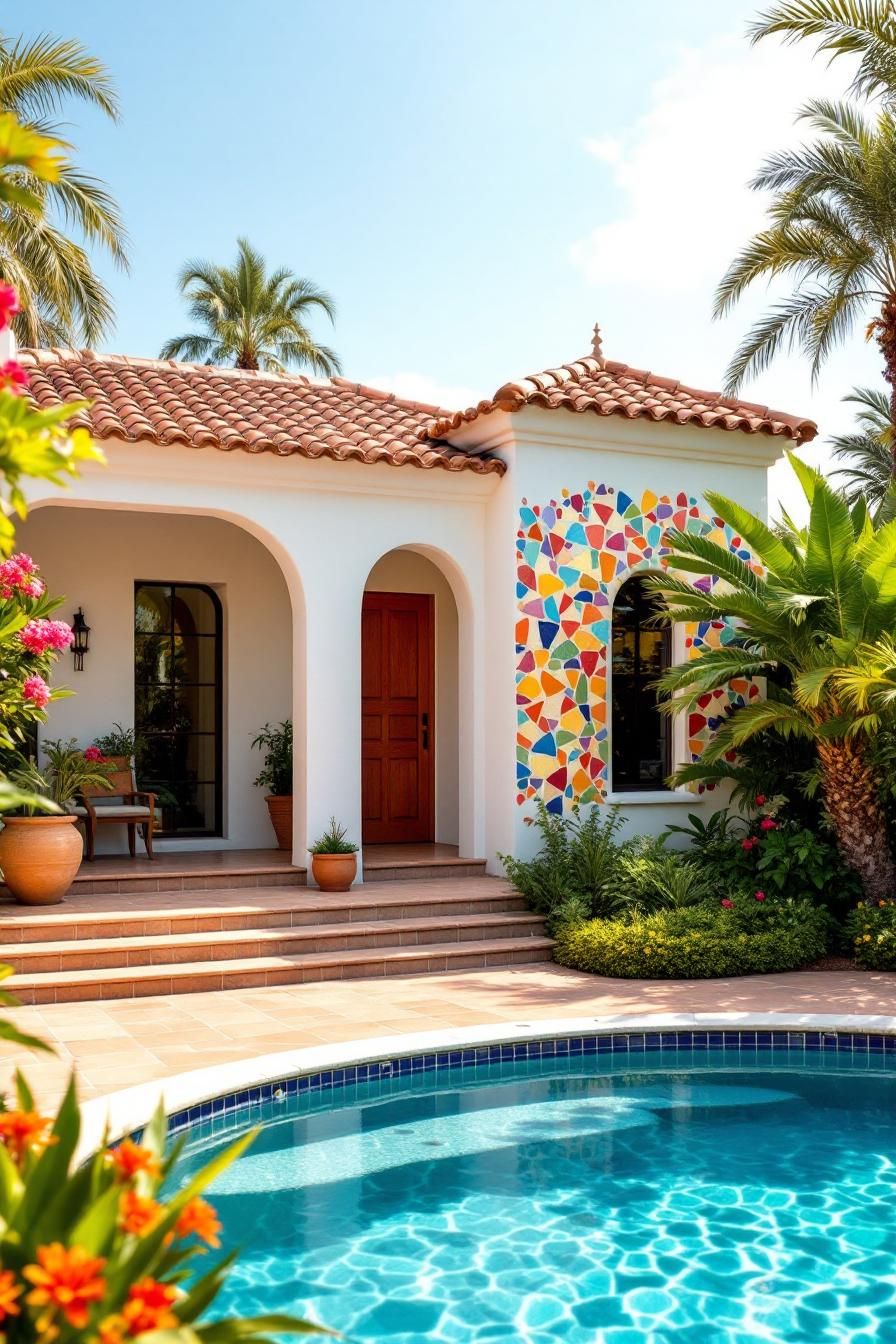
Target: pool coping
119,1113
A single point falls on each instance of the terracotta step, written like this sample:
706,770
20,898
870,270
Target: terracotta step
92,879
417,870
224,911
251,972
99,954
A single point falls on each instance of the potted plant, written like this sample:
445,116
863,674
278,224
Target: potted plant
334,860
40,855
276,777
119,745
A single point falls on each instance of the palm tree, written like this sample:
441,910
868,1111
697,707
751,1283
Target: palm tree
62,300
251,319
868,453
833,231
863,28
826,598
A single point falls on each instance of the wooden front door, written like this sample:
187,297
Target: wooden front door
397,742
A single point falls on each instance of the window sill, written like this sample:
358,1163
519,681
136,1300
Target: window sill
652,797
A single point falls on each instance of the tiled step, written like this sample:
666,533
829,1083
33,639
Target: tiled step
99,954
226,911
124,982
417,870
93,880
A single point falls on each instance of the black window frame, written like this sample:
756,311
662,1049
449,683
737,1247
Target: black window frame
636,689
217,830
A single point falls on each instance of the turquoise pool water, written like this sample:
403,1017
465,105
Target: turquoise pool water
577,1200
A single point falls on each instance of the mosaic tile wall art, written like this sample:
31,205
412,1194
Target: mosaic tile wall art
572,556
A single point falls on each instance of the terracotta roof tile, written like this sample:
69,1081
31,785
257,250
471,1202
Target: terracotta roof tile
166,402
606,387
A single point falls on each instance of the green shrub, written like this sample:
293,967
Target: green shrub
699,943
871,930
656,878
577,871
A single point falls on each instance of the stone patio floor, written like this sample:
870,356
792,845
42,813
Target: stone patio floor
122,1042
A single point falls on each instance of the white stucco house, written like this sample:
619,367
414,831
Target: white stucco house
439,601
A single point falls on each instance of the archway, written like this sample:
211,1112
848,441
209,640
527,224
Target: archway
103,558
411,756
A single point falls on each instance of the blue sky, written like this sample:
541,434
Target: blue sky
475,181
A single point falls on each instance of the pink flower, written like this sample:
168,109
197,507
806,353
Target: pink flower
727,904
18,574
768,824
760,799
750,843
40,636
94,754
37,691
12,375
760,895
9,305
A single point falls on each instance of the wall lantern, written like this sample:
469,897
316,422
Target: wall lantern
81,642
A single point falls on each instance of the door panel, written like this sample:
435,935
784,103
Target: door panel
397,742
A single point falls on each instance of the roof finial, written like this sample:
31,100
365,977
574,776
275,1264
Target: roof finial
596,345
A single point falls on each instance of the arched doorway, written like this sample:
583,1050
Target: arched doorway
409,703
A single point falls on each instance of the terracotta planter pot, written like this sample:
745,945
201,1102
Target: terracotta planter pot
39,857
334,872
280,808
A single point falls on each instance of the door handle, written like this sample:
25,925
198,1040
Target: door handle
424,720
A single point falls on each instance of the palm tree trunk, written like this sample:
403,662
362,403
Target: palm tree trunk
885,330
853,803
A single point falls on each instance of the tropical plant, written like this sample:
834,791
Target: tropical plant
823,603
854,28
251,319
868,453
276,773
97,1251
655,878
577,871
63,301
832,231
333,841
118,742
871,931
67,771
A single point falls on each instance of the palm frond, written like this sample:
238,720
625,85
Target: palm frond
863,28
38,74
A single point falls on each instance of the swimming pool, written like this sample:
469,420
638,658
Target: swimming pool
742,1189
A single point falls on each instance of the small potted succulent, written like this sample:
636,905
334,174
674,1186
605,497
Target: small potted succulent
40,855
276,777
334,860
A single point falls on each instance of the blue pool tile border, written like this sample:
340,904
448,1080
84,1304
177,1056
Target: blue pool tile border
678,1046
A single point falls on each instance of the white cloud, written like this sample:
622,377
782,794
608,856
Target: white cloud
677,207
421,387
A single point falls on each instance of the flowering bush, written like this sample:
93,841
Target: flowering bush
872,932
737,936
30,642
98,1252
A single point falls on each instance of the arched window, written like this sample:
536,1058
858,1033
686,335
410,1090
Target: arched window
641,735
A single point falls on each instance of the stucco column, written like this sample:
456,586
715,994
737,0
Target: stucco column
330,690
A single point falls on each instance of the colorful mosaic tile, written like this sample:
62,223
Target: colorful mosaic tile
572,556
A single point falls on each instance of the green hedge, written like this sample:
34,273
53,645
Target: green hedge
872,929
697,944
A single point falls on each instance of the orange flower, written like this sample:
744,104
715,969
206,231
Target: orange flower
111,1330
148,1307
139,1213
22,1131
68,1279
200,1218
9,1291
130,1158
